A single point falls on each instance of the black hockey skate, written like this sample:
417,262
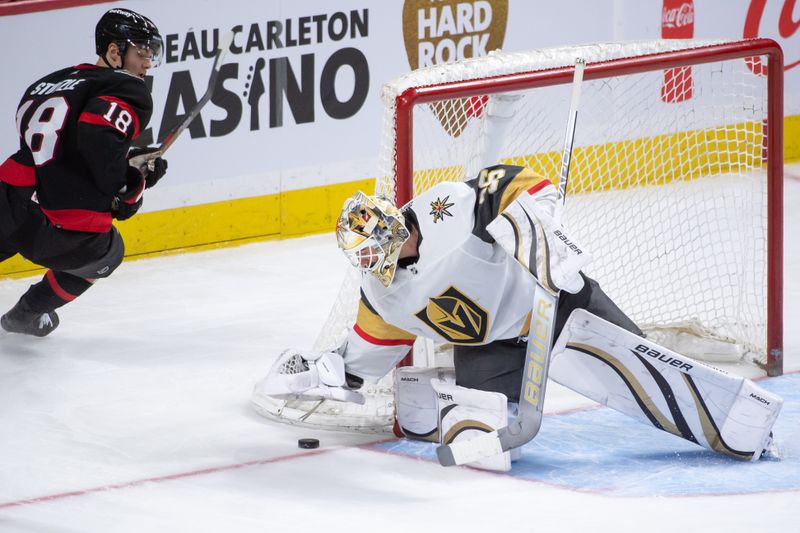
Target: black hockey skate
21,320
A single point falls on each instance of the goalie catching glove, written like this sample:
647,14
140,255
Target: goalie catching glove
310,376
528,232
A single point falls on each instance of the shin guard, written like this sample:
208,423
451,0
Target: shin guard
722,412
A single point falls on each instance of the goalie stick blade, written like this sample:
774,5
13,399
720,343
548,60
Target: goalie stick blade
445,455
469,451
515,435
520,431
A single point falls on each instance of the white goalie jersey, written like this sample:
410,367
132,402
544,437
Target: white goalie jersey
463,288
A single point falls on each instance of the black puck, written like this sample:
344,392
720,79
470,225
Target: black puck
308,444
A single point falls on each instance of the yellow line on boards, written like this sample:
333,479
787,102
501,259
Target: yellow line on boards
684,155
221,224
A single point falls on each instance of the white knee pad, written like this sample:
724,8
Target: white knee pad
415,401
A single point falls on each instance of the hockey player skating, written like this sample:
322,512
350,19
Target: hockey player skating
457,264
70,177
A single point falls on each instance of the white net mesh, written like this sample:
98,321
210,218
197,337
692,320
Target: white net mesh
668,184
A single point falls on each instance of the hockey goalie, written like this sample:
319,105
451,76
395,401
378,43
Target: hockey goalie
459,264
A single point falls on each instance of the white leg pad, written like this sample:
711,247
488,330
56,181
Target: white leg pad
722,412
468,413
415,401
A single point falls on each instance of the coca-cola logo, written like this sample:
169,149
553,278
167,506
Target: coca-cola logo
677,22
678,17
785,25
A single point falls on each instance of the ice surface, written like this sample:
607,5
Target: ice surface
134,416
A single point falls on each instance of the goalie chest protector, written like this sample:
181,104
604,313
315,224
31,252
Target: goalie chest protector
462,290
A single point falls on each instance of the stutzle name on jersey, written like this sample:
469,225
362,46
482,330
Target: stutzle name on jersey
50,88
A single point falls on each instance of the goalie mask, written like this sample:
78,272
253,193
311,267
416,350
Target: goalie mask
371,231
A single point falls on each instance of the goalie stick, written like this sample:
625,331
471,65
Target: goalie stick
140,161
526,425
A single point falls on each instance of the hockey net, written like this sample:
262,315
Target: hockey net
675,185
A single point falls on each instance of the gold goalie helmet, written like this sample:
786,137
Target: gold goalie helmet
370,232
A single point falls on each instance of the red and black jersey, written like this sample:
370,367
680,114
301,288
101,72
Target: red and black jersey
75,127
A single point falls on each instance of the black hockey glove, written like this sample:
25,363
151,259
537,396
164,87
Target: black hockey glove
129,199
149,163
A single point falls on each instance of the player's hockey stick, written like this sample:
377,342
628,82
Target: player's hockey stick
140,161
526,425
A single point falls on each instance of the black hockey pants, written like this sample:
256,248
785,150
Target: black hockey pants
75,258
498,366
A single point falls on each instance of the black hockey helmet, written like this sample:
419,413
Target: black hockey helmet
126,27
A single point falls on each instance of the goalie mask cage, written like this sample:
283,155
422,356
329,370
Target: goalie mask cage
675,184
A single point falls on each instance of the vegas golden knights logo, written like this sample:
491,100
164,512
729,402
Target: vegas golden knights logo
456,318
443,31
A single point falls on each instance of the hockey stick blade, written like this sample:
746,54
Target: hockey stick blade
145,159
491,444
